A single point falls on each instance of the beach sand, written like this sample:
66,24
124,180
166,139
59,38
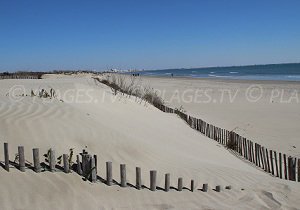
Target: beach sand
267,112
126,130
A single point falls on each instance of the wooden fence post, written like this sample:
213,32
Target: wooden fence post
192,185
245,148
6,156
66,163
205,187
285,167
249,150
298,170
79,169
292,168
36,160
85,163
271,160
93,169
264,158
138,178
153,180
109,173
268,161
167,182
52,161
276,164
180,184
96,163
280,165
261,157
253,153
21,158
123,175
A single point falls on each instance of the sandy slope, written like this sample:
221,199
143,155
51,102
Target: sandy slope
122,130
267,112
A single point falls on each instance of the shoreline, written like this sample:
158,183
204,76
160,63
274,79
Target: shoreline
246,81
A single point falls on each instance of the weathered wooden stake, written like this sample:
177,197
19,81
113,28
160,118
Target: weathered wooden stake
138,178
85,163
285,167
36,160
94,170
261,157
268,161
153,180
6,156
123,175
52,161
180,184
79,169
298,170
109,173
271,160
21,158
96,163
292,168
66,163
167,182
192,185
276,164
205,187
280,166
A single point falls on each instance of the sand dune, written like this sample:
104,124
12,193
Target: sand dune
122,130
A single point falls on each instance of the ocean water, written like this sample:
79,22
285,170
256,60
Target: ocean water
287,72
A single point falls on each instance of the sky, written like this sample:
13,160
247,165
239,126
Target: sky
154,34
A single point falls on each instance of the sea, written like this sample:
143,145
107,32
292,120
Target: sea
285,72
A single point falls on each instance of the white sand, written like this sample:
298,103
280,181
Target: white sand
122,130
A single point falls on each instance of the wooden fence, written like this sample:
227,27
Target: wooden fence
16,76
275,163
86,166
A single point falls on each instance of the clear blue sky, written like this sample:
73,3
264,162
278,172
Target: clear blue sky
152,34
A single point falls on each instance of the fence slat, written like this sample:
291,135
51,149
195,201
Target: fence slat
66,163
298,170
153,180
285,166
36,160
6,156
167,182
271,160
93,170
205,187
21,158
180,184
123,175
192,185
52,161
280,166
268,161
138,180
109,173
261,157
276,164
292,168
265,159
79,170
